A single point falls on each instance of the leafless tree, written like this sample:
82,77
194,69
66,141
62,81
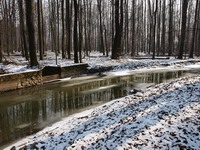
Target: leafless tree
31,32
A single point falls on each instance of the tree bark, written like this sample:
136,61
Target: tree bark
23,29
118,29
194,32
58,27
1,56
170,37
80,30
133,29
163,27
31,32
183,27
75,32
158,29
39,30
63,30
44,48
68,29
154,30
102,49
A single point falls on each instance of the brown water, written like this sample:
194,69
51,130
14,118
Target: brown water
29,110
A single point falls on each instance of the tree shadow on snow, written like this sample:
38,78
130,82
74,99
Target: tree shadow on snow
117,127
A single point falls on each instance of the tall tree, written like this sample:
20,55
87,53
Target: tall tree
43,29
150,15
116,49
58,26
80,30
154,29
63,29
198,34
39,30
126,35
163,26
23,30
183,28
158,48
194,31
85,27
133,28
99,5
1,49
68,29
31,32
1,37
75,32
170,33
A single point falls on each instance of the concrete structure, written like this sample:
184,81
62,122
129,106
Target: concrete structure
16,81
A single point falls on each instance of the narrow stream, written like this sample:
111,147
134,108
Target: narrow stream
27,111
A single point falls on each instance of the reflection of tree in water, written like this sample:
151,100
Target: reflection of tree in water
12,119
158,77
43,106
35,110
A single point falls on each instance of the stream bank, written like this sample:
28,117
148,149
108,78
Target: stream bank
16,81
32,109
19,80
164,116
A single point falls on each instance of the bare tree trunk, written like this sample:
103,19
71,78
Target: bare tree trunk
194,32
75,32
158,29
85,28
154,30
106,41
183,27
89,25
63,30
31,32
80,30
170,37
198,34
163,27
58,27
68,29
112,22
39,30
23,29
1,49
54,35
118,29
126,26
1,38
102,49
151,27
13,27
7,28
44,46
133,29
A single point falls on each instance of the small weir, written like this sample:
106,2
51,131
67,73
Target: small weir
27,111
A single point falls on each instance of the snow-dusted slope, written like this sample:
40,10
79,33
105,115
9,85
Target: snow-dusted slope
166,116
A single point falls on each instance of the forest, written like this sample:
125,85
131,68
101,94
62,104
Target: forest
99,74
75,28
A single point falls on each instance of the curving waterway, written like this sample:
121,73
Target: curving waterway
27,111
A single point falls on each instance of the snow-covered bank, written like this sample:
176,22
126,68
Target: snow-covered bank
165,116
95,61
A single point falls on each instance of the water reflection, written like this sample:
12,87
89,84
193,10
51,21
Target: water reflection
27,111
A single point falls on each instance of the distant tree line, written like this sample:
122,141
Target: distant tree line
74,28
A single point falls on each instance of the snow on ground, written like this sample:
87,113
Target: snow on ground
165,116
16,63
